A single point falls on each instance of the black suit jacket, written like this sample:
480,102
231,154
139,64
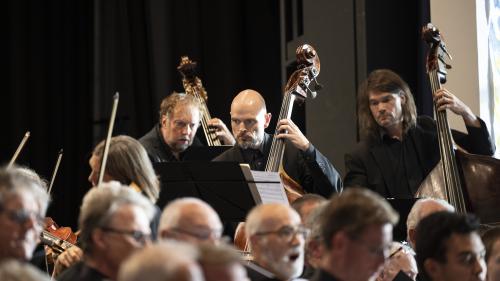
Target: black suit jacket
310,169
158,150
367,164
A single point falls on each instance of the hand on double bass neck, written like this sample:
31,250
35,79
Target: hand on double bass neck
221,131
444,99
288,130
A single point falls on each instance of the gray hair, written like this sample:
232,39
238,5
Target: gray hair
312,222
164,261
13,270
101,203
218,254
15,180
415,215
128,163
169,103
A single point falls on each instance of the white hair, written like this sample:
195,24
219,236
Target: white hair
100,204
415,214
14,270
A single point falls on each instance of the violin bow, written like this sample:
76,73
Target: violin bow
19,149
54,173
104,157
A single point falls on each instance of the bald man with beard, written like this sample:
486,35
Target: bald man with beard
301,160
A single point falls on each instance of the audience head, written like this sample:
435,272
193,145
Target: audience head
221,262
114,222
127,163
277,238
23,203
164,261
180,116
306,204
314,244
249,118
449,248
401,259
356,231
491,240
14,270
190,220
421,209
385,100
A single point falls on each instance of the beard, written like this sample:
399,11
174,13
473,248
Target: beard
248,140
286,267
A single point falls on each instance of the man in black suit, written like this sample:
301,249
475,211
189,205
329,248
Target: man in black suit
301,160
398,149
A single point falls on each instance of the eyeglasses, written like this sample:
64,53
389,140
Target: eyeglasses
22,216
201,235
287,232
137,235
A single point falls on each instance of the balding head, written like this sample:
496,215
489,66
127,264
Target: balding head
421,209
249,118
164,261
277,239
190,219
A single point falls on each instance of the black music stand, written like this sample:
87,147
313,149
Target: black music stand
204,153
403,207
227,186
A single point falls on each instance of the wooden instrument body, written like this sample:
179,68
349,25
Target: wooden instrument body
470,182
480,176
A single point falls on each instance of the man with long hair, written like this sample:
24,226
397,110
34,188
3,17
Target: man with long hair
398,149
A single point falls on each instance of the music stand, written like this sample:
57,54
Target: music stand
227,186
204,153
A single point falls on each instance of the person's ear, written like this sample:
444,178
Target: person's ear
403,98
163,120
433,269
412,236
98,239
267,119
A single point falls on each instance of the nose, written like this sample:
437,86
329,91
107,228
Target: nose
92,178
479,266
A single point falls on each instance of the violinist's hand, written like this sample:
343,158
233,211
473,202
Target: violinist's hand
288,130
223,134
444,99
66,259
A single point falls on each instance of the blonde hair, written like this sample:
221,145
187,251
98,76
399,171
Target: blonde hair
128,163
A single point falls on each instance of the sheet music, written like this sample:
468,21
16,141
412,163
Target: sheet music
269,187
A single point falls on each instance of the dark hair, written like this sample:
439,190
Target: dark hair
490,237
434,230
383,81
352,211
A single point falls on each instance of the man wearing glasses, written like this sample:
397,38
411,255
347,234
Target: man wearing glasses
23,203
356,230
190,220
114,223
276,238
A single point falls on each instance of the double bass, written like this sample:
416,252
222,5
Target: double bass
469,182
193,86
297,89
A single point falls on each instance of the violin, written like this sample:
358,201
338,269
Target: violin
59,239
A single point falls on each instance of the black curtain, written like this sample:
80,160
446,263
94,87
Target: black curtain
139,45
66,59
394,41
48,47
